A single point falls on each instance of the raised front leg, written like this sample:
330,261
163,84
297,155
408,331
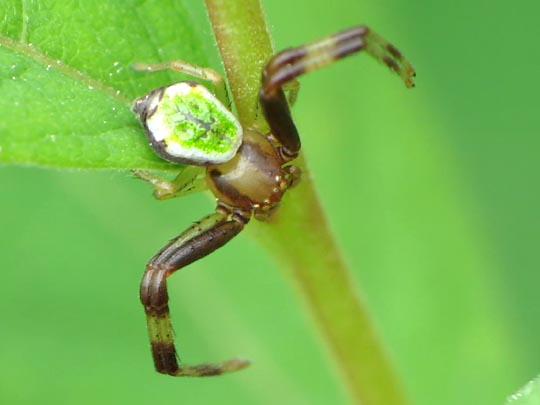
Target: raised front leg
193,70
291,63
199,240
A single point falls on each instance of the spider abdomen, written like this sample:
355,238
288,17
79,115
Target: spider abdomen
185,123
253,179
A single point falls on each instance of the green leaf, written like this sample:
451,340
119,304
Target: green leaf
67,84
528,395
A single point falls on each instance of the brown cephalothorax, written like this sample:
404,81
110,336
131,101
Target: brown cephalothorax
247,171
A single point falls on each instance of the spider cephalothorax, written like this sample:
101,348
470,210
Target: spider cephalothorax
247,171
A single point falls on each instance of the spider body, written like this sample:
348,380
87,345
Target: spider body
247,171
255,179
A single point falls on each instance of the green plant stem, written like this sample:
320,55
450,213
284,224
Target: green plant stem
299,234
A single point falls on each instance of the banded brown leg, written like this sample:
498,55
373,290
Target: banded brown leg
199,240
291,63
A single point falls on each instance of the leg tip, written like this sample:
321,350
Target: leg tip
208,369
409,83
141,67
235,365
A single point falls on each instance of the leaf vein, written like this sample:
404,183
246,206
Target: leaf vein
31,52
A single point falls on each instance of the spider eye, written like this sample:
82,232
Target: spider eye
185,123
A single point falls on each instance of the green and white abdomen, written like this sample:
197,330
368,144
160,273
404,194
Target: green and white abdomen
186,123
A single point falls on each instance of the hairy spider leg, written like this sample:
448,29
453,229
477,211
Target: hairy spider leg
191,179
190,69
199,240
293,62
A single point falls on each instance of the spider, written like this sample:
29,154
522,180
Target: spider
247,171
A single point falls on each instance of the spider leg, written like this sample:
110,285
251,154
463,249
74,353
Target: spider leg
199,240
291,89
190,69
291,63
189,180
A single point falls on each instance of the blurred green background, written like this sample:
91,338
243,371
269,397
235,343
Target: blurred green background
432,194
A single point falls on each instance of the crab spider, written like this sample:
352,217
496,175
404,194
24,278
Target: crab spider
247,171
